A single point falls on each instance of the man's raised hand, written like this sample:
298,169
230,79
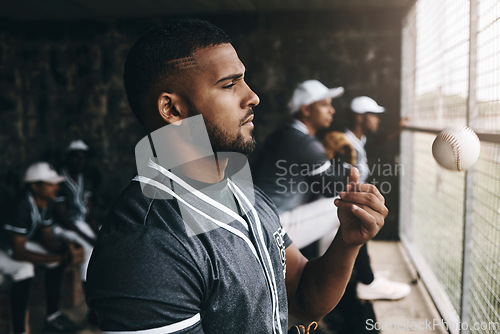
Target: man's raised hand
361,211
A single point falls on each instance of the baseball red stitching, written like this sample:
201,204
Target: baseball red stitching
454,145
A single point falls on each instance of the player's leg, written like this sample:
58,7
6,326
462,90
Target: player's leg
363,266
372,286
54,273
22,274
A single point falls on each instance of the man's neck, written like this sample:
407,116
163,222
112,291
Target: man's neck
312,130
357,130
40,202
206,170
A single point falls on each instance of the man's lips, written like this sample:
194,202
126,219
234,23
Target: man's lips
248,121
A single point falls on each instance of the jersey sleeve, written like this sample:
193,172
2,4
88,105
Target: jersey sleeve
19,222
330,176
141,279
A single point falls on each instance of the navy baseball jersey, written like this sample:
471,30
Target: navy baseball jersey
74,195
190,264
293,169
28,220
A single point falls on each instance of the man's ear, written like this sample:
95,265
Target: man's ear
35,187
171,108
305,111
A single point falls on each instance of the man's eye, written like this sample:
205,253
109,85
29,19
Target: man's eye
229,85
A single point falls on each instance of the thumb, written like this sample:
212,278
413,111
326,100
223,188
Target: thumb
353,175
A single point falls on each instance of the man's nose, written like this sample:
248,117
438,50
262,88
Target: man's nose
252,99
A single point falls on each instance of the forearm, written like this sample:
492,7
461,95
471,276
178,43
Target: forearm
54,244
37,258
324,280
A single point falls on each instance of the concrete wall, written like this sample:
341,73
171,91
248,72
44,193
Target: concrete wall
63,80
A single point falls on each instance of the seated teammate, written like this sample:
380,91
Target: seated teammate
29,241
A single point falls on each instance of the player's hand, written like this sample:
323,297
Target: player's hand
403,122
76,253
336,142
361,211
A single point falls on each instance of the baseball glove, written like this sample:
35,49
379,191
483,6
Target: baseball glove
336,142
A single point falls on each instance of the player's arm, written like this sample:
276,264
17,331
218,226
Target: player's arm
21,253
62,217
315,287
71,251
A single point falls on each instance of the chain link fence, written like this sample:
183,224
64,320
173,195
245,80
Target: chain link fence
450,221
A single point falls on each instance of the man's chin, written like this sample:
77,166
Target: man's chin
247,147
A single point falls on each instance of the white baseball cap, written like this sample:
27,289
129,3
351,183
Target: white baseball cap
364,104
311,91
42,172
77,145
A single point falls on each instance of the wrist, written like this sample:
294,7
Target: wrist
340,245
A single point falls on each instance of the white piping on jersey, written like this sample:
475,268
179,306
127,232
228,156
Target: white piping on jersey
36,216
198,193
228,228
166,189
359,144
271,279
77,188
15,229
298,125
165,329
321,168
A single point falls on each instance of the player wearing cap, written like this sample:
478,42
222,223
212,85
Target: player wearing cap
29,241
73,211
187,248
365,120
294,170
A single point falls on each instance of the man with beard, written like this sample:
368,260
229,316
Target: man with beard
190,246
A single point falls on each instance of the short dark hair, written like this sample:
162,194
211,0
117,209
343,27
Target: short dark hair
150,62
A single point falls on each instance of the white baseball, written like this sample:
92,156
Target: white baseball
456,148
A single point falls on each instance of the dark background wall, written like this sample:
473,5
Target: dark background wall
62,80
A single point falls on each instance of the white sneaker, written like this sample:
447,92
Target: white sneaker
382,288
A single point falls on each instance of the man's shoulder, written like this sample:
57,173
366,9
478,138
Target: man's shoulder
287,141
138,206
262,199
287,129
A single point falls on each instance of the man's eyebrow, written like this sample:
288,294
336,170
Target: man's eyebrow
230,77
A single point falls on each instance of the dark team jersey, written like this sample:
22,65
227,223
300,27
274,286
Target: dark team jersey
27,220
188,265
74,195
292,168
